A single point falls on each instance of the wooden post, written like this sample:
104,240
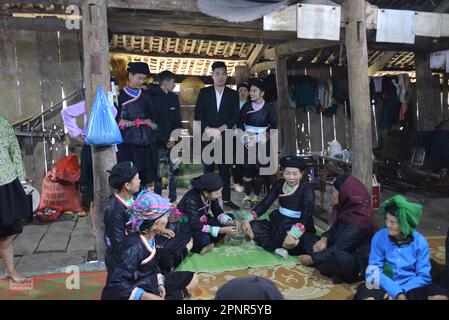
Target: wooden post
425,93
241,74
357,52
96,72
445,96
286,116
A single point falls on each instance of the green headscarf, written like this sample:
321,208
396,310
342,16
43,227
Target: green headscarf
407,213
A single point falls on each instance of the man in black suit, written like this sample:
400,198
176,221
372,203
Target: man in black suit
217,107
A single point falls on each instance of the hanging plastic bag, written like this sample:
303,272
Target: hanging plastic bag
102,129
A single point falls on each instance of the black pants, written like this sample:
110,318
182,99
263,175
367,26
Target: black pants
225,174
345,265
422,293
173,251
202,239
270,235
445,277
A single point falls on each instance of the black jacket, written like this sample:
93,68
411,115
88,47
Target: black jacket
265,117
344,237
128,273
168,112
193,205
206,108
115,230
303,200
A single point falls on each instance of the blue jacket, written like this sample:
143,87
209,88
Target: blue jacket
410,263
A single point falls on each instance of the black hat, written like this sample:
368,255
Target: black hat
207,182
339,181
138,67
293,161
243,84
121,173
249,288
259,84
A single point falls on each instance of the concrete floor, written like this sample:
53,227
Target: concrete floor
43,247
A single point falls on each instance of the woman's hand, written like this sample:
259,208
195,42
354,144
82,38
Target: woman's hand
290,242
228,230
320,245
161,288
167,233
232,223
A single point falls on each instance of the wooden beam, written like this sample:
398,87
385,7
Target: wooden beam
257,52
286,116
34,24
241,74
161,5
357,52
263,66
299,45
380,62
96,72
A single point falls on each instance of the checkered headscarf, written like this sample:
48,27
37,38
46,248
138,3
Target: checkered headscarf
147,206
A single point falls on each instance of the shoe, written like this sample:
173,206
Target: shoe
230,205
246,202
282,252
189,245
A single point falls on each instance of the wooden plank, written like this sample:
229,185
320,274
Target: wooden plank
30,99
257,52
57,237
263,66
357,52
51,90
10,107
299,45
380,62
37,24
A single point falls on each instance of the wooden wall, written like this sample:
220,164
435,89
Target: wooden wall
36,70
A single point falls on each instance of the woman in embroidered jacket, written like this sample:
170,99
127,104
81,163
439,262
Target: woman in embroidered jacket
290,227
257,118
399,262
208,223
135,275
136,114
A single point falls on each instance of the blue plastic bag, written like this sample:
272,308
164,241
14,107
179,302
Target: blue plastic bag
102,129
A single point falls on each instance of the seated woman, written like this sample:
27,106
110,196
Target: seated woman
208,223
399,263
290,227
135,275
343,251
124,177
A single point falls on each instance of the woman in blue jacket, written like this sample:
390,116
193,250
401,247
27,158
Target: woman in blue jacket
399,264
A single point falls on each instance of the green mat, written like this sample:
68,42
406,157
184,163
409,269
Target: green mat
235,256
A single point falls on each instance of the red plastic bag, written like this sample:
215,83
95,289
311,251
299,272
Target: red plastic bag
67,169
58,194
